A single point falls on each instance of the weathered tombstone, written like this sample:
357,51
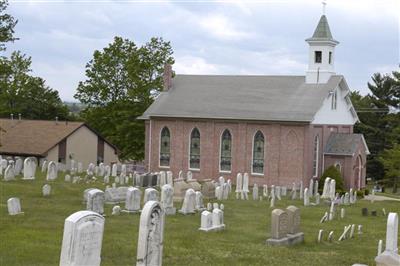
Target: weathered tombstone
301,190
163,178
102,169
189,202
67,178
245,189
390,256
218,192
116,210
225,191
206,221
180,187
293,219
85,195
150,194
265,191
352,228
317,199
115,194
326,188
278,192
107,171
51,171
217,220
315,188
332,211
46,190
170,179
14,206
82,239
320,235
18,165
332,189
311,187
324,218
95,201
330,236
167,199
151,235
359,229
209,206
284,191
114,170
294,192
279,227
199,201
132,202
239,186
29,168
123,170
9,174
342,213
189,175
306,197
208,189
272,203
255,192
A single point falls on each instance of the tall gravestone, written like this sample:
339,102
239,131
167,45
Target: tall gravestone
18,165
132,202
51,171
150,194
29,168
9,173
82,239
390,256
95,201
239,182
245,190
167,199
151,235
189,202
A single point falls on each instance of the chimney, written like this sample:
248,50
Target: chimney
12,116
167,77
19,117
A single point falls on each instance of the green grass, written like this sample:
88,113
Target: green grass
35,237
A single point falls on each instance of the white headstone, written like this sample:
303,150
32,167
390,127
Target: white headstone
132,202
151,235
18,165
306,197
239,185
170,178
189,176
189,202
46,190
67,178
150,194
206,221
29,168
9,174
163,178
114,170
199,201
95,201
116,210
82,239
255,192
245,189
51,171
167,199
14,206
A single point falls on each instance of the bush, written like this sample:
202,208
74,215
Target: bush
366,192
333,173
360,193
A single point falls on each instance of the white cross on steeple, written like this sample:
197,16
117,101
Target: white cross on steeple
323,7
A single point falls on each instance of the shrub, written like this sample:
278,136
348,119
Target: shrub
333,173
366,192
360,193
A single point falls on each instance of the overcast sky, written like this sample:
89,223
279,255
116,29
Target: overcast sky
208,37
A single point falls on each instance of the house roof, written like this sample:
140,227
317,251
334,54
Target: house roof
344,144
262,98
322,31
35,137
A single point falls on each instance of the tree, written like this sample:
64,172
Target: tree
333,173
391,161
24,94
7,24
379,121
122,81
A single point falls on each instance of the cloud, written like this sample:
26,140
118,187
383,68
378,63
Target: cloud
195,65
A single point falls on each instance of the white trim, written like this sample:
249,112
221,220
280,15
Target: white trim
316,155
252,154
190,144
219,156
159,149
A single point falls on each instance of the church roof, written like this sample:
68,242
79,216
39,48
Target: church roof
260,98
322,31
344,144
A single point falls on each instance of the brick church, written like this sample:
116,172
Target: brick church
279,129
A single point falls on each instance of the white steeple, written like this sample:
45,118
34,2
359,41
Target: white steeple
321,53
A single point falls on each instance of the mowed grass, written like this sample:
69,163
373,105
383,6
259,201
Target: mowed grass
35,237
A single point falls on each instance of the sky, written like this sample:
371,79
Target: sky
208,37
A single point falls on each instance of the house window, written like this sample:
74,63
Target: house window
330,57
334,100
165,143
318,57
316,156
258,153
226,151
194,156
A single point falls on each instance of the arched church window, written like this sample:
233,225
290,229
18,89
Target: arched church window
226,151
316,156
258,153
194,156
165,147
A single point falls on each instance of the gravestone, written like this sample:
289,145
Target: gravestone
206,221
46,190
192,183
317,199
67,178
51,171
208,189
18,165
82,239
14,206
239,185
189,202
285,227
151,235
390,256
265,191
167,199
306,197
9,173
170,179
115,194
301,190
114,169
116,210
199,201
245,190
311,187
180,187
132,201
163,178
189,175
255,192
315,188
218,219
95,201
29,168
150,194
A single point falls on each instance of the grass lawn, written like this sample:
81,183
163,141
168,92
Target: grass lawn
35,237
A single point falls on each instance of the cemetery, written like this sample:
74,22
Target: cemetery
122,223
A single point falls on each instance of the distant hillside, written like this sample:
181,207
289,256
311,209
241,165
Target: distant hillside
75,107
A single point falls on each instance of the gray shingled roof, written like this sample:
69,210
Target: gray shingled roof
344,144
322,31
264,98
